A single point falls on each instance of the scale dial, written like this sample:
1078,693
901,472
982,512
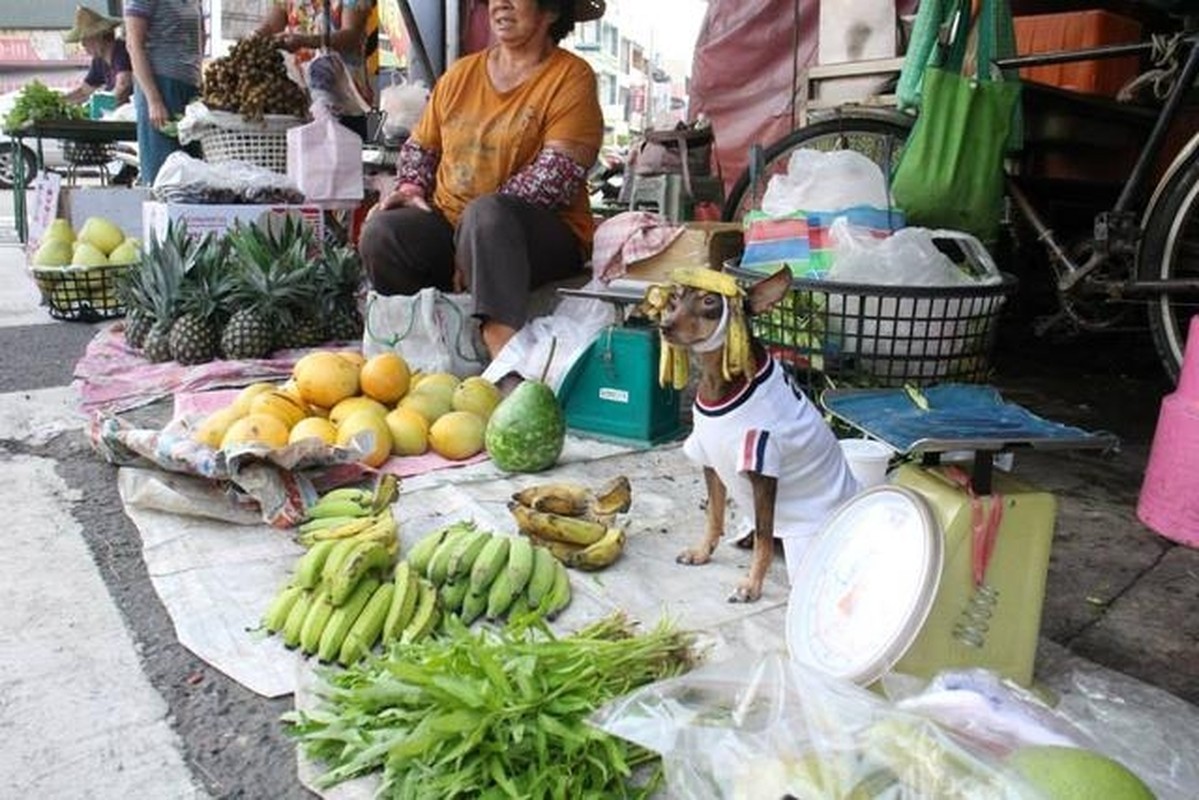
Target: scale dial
866,585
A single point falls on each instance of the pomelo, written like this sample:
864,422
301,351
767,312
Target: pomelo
101,233
53,253
409,432
59,229
457,435
88,255
1072,773
126,252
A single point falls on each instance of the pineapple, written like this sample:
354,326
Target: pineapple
162,269
341,281
195,335
272,277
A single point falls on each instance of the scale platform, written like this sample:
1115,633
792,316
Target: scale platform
897,579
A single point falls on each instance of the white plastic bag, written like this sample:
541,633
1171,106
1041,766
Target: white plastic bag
909,257
433,331
324,158
816,180
403,103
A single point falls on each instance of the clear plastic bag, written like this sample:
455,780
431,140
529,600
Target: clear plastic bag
816,179
184,179
773,728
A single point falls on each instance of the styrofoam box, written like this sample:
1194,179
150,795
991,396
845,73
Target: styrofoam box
202,219
122,205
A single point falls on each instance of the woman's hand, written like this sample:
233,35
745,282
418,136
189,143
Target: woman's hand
159,116
406,195
291,42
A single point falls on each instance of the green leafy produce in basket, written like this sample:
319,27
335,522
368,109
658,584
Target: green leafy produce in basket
38,103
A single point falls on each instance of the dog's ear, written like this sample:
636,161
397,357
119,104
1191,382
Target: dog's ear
768,291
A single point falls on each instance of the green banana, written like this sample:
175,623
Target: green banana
542,579
308,568
473,605
453,592
323,523
489,562
319,613
422,552
426,616
520,606
295,618
467,549
601,554
343,618
387,489
365,558
520,563
403,602
341,549
500,595
337,508
559,596
356,494
439,564
366,629
276,613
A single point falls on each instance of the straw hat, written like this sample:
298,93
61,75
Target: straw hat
587,10
89,23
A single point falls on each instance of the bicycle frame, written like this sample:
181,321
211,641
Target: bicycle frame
1116,232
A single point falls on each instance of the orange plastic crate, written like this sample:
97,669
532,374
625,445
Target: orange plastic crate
1043,33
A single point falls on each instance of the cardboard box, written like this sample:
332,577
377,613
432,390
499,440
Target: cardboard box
202,219
701,244
1075,30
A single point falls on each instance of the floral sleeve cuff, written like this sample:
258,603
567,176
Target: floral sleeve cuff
551,181
417,165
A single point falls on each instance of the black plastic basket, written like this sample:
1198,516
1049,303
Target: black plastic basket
84,294
850,334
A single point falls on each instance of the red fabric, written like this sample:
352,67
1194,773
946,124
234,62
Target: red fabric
743,73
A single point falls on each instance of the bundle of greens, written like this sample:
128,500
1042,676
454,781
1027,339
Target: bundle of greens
493,714
37,103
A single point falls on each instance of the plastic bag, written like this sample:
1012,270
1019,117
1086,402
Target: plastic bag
818,180
402,103
909,257
433,331
184,179
324,158
774,728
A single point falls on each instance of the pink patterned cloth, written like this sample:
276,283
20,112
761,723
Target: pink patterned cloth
629,237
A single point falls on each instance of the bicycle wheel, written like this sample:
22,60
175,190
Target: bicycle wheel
878,135
1170,250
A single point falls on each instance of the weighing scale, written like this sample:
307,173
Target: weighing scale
943,567
611,391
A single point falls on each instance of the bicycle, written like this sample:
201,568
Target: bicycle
1144,249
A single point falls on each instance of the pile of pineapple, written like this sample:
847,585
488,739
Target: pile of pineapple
241,296
252,81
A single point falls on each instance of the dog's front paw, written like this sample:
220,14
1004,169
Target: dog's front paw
746,592
694,556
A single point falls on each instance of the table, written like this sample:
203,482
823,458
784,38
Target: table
83,131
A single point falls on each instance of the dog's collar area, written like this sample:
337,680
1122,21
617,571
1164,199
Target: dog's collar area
716,338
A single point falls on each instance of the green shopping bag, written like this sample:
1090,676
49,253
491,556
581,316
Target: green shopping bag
950,174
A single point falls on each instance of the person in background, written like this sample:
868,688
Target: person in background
110,69
165,40
491,191
298,27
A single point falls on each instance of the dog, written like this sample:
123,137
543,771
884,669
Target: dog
757,438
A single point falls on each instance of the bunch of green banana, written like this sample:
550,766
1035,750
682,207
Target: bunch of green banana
348,503
576,541
577,500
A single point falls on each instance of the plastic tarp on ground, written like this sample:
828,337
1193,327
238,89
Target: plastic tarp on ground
748,59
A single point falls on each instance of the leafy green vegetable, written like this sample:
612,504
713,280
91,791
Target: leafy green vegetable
37,103
492,713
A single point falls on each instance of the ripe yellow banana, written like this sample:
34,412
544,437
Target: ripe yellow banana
343,618
560,550
570,499
343,531
366,629
321,523
615,497
602,554
572,530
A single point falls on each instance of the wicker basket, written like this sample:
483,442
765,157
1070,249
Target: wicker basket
267,149
84,294
868,335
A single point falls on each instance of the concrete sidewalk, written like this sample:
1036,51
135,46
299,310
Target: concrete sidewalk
1119,596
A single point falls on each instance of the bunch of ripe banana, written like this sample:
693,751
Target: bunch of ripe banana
577,525
476,572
